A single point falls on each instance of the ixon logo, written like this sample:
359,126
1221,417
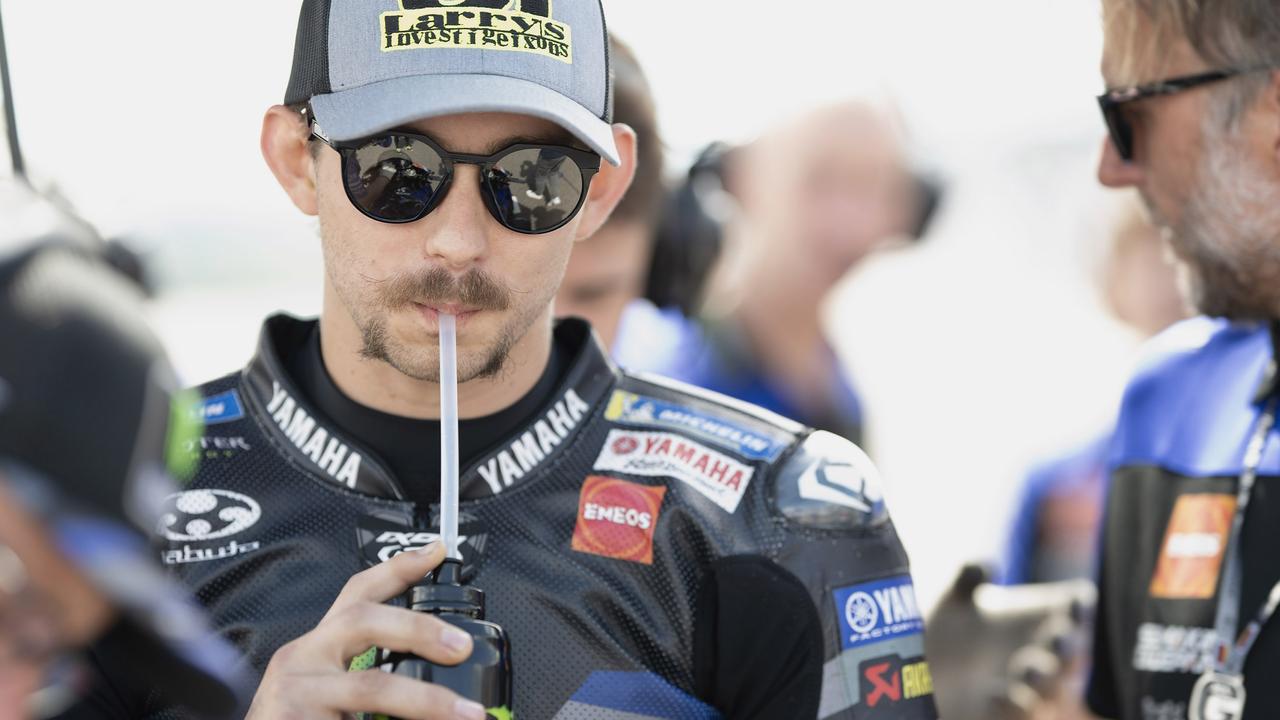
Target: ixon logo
518,25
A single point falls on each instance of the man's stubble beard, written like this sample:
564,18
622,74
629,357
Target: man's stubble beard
1228,241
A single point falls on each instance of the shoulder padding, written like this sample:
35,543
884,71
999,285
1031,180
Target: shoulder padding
829,483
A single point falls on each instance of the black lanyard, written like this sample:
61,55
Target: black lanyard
1231,657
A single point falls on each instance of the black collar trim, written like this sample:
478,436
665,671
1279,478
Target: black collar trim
310,440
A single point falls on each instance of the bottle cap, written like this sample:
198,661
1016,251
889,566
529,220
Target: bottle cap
444,592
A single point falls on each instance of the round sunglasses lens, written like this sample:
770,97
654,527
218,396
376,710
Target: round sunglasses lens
394,178
535,190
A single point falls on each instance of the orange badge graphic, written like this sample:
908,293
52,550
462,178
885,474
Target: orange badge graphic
617,519
1194,544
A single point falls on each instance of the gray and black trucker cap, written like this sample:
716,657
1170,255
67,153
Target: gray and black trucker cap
371,65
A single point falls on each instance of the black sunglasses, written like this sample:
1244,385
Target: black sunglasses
1113,102
399,177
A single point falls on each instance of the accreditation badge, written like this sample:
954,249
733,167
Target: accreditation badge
1217,696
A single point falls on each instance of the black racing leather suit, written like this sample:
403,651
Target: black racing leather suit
595,532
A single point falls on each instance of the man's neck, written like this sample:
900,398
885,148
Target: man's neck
375,384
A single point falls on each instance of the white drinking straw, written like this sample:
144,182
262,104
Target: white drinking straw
449,434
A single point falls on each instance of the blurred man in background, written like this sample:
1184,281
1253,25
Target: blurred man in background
1189,575
90,428
607,272
815,197
1022,651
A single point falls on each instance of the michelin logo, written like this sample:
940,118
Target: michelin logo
877,611
631,409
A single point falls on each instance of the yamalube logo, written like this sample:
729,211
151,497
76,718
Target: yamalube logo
520,25
201,516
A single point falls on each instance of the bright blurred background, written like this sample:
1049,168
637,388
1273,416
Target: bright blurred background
977,352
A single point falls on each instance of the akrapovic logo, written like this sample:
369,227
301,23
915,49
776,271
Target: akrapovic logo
520,25
330,455
529,450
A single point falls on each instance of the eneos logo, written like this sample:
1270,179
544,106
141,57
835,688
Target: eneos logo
520,25
199,515
617,519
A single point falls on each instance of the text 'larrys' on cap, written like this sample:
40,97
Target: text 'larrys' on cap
366,66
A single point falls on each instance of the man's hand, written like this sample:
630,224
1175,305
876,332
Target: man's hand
308,677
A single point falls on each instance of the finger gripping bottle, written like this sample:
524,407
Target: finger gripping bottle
485,677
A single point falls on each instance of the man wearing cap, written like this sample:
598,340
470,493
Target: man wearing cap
91,426
652,551
1189,580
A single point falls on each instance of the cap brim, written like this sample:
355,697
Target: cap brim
362,111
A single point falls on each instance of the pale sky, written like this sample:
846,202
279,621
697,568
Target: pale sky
141,107
977,353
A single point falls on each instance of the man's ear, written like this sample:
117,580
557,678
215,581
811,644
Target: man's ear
610,184
288,153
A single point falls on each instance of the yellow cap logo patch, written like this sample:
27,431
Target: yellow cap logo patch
518,25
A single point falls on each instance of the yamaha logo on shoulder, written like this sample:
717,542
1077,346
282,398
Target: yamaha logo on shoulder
199,516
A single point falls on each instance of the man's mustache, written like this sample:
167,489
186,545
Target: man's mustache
475,290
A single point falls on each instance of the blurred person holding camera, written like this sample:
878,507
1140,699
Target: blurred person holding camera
1188,581
92,431
813,200
626,531
1021,651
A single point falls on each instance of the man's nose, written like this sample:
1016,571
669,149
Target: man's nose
1114,171
458,234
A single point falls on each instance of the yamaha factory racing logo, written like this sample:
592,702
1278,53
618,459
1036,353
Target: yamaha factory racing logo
877,611
382,539
200,516
520,25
